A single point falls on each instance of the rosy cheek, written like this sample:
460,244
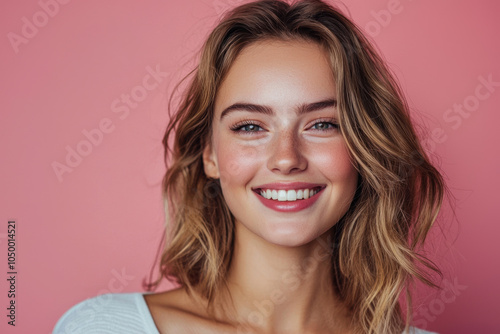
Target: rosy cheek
237,163
334,161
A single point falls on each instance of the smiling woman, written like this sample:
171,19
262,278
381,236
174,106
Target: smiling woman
297,191
290,127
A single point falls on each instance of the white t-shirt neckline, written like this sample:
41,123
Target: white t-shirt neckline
124,313
146,315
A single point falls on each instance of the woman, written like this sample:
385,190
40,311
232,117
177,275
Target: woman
298,193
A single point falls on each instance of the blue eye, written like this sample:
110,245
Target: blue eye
246,127
250,127
325,126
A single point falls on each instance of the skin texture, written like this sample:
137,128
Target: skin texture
280,274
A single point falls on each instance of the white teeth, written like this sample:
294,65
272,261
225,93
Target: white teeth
288,195
300,194
281,195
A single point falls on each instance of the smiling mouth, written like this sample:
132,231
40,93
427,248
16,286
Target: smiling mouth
288,195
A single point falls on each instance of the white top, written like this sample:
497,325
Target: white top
123,313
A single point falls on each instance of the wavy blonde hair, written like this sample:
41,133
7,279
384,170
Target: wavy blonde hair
399,192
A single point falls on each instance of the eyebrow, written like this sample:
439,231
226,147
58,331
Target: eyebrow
302,109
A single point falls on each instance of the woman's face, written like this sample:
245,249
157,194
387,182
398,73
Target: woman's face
275,135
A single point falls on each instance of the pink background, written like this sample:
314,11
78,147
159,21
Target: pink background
76,234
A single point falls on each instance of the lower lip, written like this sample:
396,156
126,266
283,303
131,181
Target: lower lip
289,206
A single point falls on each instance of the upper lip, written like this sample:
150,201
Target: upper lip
289,185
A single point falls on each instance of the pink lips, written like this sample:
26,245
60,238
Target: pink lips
288,186
286,206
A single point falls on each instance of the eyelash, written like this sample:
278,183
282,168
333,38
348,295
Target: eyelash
238,127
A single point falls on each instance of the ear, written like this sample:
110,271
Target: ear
210,162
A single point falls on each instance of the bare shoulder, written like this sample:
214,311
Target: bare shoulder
176,299
174,311
169,309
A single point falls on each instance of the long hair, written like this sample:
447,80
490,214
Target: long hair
399,191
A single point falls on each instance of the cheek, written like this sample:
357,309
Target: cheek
237,163
335,164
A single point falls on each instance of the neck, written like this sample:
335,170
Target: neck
276,289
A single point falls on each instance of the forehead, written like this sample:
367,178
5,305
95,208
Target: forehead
271,70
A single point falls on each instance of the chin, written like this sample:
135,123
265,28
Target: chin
291,237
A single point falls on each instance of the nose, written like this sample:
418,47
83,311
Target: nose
285,154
